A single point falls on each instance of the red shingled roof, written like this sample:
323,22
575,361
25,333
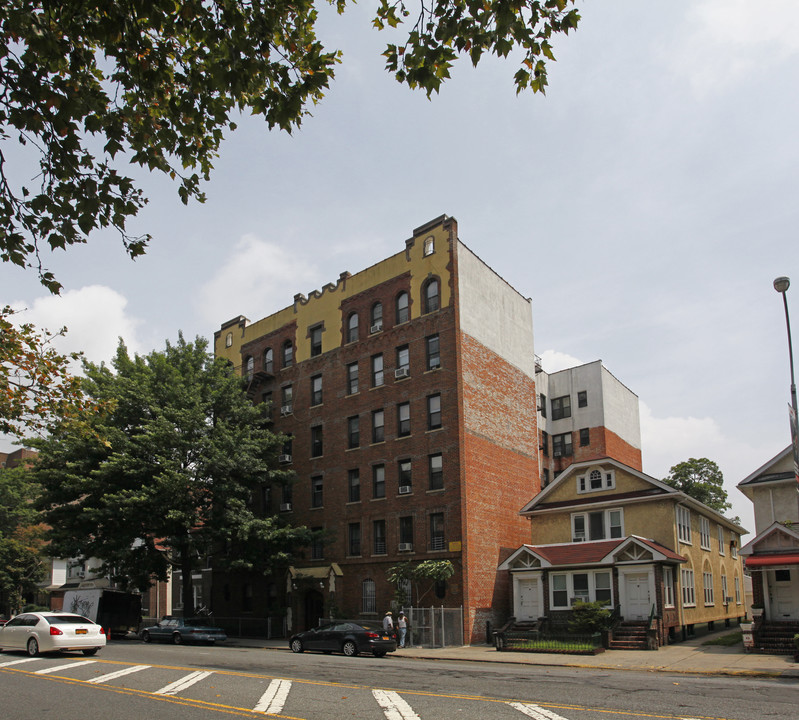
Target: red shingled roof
588,553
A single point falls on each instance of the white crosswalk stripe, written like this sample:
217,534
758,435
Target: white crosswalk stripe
184,682
68,666
394,707
535,712
17,662
273,700
117,674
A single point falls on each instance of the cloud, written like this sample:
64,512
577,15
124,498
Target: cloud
552,361
258,279
95,317
730,40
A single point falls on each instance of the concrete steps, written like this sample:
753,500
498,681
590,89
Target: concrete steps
629,636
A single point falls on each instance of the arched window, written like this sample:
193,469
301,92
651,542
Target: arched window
429,246
268,361
352,327
432,300
403,313
249,365
376,324
229,339
369,598
288,354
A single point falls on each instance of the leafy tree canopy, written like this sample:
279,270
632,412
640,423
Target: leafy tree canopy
36,387
156,82
702,480
165,477
423,576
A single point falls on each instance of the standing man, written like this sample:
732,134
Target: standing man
402,627
388,624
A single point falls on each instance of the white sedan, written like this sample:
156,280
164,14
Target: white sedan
37,632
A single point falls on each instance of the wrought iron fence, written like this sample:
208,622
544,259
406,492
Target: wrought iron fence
537,641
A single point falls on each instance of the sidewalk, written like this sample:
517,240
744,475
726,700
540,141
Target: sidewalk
685,657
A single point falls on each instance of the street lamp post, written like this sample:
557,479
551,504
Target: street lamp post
781,285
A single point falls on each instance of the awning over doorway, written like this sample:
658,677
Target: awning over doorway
769,560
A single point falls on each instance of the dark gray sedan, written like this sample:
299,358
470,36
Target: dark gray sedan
180,630
345,636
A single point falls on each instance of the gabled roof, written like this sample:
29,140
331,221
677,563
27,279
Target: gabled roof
762,474
598,552
776,528
657,489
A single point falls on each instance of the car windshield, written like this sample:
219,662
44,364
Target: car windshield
67,619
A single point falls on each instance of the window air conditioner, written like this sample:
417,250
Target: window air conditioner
285,458
285,507
402,372
435,363
376,328
404,489
285,410
405,547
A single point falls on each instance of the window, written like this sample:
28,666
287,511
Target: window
249,365
737,590
379,537
229,339
403,362
316,441
286,399
568,588
379,481
580,591
602,589
721,540
433,412
287,496
432,299
376,318
353,432
545,443
582,398
561,407
317,545
288,354
542,404
704,533
734,548
316,390
404,475
429,246
596,479
354,539
352,378
683,524
436,471
598,525
378,426
688,592
266,499
316,492
369,599
432,352
707,582
354,485
560,593
724,591
269,364
406,531
585,437
562,445
403,419
352,327
437,532
668,587
316,340
403,311
377,370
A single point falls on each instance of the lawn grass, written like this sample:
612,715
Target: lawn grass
728,640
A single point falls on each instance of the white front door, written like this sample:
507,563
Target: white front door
527,606
784,594
637,603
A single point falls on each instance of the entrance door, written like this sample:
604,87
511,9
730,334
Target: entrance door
314,604
636,596
528,607
785,594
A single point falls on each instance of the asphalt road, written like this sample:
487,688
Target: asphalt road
157,681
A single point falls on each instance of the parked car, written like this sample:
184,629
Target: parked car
180,630
37,632
346,636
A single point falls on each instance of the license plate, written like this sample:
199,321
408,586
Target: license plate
385,637
81,632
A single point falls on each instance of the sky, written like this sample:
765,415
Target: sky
645,205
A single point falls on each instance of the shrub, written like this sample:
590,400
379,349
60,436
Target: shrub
589,617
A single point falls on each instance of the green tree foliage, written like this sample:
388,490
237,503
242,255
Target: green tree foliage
589,617
702,480
423,577
84,85
165,477
36,387
22,545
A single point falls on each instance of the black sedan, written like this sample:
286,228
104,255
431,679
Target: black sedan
180,630
345,636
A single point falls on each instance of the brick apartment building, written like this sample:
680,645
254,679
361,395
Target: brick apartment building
409,393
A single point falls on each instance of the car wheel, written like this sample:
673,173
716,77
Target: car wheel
296,645
350,649
33,647
177,639
145,636
90,651
379,653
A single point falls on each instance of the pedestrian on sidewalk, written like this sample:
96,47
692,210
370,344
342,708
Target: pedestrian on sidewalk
402,628
388,624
